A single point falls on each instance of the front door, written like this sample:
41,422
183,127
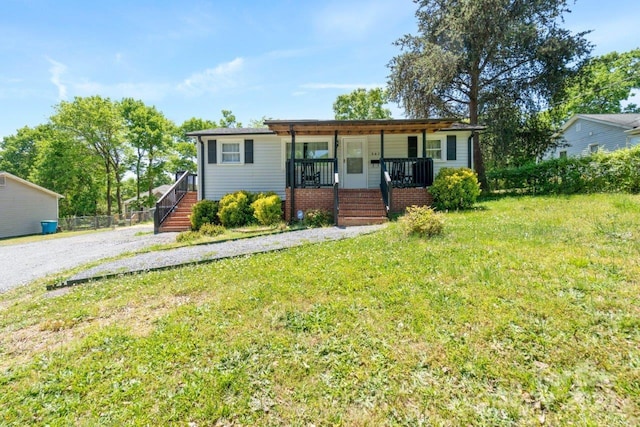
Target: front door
354,163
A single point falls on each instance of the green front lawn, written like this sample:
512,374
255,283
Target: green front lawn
526,311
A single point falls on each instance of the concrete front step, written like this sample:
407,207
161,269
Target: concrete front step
359,220
363,212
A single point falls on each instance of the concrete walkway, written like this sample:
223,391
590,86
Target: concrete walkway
172,258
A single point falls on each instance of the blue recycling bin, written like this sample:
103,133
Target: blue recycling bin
49,227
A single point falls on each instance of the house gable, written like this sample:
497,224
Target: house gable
586,133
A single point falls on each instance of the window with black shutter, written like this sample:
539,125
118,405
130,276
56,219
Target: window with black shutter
451,147
248,150
412,146
211,151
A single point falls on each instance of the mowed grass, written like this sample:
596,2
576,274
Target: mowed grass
525,312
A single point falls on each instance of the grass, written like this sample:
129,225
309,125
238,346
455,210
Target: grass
525,312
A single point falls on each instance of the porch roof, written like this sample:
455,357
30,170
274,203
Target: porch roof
367,127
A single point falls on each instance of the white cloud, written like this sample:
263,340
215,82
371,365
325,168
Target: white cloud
212,80
347,86
57,70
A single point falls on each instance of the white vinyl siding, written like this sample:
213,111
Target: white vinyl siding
23,207
263,175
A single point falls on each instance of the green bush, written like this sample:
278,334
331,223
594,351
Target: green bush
422,221
618,171
318,218
267,209
188,236
455,188
211,230
235,209
204,212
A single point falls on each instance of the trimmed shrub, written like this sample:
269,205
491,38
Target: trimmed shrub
188,236
422,221
267,209
211,230
204,212
617,171
318,218
455,188
235,209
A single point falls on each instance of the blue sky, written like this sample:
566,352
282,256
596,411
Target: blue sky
283,59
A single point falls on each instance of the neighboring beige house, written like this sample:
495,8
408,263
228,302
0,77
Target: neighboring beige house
23,205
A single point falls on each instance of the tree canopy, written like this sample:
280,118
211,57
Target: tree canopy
92,144
470,53
600,86
362,104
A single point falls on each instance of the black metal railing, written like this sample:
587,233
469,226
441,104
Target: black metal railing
336,197
312,173
385,185
169,200
409,172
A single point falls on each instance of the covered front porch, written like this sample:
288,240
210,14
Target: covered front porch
386,159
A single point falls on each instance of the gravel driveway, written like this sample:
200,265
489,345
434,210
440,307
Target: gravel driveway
23,263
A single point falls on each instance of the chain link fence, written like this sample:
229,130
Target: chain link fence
96,222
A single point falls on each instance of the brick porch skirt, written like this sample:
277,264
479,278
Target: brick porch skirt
322,199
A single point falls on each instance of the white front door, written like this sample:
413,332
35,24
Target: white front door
353,173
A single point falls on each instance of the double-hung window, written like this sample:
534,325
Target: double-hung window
230,153
434,149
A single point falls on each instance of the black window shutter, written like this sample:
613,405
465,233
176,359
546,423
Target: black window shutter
413,147
451,147
248,150
211,151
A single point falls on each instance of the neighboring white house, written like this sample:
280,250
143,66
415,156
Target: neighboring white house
23,205
587,133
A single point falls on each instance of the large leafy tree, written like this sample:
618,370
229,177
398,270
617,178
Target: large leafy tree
469,53
61,165
149,133
97,123
18,152
183,157
362,104
600,86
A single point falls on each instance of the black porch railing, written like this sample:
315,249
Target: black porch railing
409,172
169,200
312,173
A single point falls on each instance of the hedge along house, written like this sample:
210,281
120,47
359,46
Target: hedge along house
23,205
360,170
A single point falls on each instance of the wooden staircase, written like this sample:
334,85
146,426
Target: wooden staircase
178,220
361,207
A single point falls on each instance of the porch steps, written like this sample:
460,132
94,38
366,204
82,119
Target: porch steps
361,207
178,220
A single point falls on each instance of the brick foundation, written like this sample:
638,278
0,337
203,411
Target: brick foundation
309,198
405,197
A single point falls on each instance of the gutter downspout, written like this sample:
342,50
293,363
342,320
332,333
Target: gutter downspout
201,187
